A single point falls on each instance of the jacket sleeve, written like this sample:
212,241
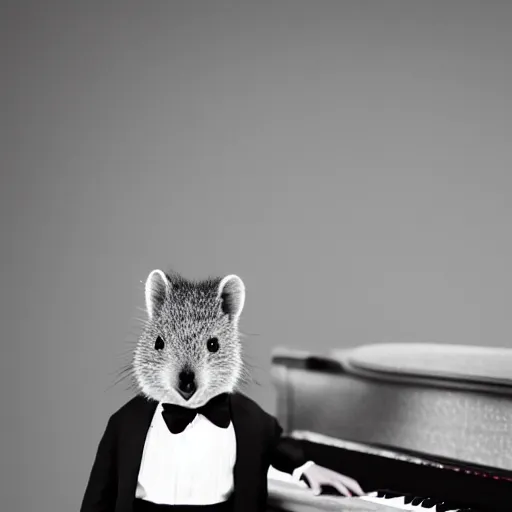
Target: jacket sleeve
287,455
101,491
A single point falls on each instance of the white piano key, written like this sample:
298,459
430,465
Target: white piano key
399,503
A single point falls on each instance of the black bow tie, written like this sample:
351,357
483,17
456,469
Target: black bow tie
216,410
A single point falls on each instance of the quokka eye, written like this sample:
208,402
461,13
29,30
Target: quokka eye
159,343
212,344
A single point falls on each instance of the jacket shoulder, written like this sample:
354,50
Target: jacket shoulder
132,407
251,407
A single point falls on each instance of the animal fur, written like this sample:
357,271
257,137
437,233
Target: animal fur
185,314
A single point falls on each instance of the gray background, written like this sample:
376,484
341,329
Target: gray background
349,160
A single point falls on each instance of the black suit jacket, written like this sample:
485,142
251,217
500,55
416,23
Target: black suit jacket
113,478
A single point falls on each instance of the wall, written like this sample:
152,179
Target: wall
349,160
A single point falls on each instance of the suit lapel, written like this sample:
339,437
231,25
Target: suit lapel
247,469
132,445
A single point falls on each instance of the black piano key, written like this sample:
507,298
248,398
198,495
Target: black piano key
417,500
428,502
445,506
391,494
408,498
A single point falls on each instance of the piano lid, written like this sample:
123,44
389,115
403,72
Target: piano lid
478,367
472,367
447,401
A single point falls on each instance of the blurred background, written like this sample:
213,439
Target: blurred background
350,160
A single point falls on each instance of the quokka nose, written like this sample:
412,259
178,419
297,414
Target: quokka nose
187,386
186,376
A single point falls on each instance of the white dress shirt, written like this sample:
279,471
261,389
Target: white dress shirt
194,467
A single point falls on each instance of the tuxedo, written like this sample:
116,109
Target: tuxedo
113,479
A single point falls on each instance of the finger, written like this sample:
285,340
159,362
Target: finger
341,488
315,486
348,482
351,484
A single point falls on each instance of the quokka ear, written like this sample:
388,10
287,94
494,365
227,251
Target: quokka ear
157,289
231,291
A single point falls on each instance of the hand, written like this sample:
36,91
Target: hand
318,476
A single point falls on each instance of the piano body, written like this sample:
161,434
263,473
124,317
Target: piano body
422,427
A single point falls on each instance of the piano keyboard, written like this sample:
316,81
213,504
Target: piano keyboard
387,499
412,503
418,480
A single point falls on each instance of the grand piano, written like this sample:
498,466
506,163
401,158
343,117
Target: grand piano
422,427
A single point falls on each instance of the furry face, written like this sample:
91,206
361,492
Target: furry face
190,350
